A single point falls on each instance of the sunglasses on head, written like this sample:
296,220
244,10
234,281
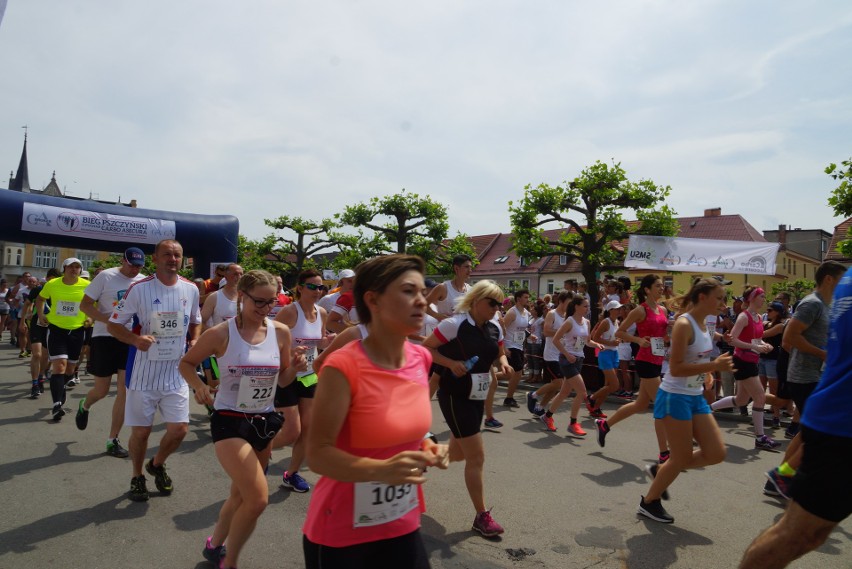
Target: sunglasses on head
493,303
260,302
312,286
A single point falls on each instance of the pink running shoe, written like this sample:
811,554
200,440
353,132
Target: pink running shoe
485,524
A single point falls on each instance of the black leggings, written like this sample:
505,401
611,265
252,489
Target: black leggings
403,552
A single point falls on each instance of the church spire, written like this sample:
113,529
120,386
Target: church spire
21,182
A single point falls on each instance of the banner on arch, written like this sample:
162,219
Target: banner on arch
700,255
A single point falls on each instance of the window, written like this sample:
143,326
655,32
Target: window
794,267
563,260
804,270
15,255
550,287
87,258
525,283
784,264
523,262
45,258
500,260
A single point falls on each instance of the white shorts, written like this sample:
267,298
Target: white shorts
141,405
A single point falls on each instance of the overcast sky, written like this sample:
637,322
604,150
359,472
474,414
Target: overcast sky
261,108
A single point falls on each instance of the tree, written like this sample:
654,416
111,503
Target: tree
412,219
589,209
440,257
841,199
293,254
253,254
355,249
797,289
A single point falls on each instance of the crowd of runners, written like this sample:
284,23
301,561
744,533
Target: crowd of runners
345,378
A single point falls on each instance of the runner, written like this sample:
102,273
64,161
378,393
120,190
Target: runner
604,335
535,341
166,308
252,351
109,355
516,324
4,306
541,397
39,362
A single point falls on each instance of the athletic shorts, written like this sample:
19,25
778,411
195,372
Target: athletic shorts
679,406
4,311
570,369
289,396
799,393
768,368
37,334
647,370
64,344
516,359
258,430
552,370
107,357
820,485
608,359
87,336
403,551
141,406
13,313
462,414
744,369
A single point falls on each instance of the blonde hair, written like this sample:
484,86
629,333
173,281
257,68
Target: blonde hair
482,289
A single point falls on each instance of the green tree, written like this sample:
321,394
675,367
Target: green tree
410,220
306,238
841,199
440,257
589,208
797,289
355,249
253,254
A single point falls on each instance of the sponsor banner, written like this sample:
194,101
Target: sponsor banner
700,255
95,225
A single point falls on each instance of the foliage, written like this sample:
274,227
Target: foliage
440,257
355,249
797,289
589,208
252,254
841,199
292,254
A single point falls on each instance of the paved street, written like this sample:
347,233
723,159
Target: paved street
565,502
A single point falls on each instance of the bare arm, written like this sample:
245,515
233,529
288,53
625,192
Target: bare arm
682,335
87,305
432,343
207,309
793,338
437,294
635,316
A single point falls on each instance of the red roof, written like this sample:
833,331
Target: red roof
498,259
841,233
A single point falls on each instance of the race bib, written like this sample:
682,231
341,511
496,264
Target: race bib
479,386
377,503
658,347
695,381
579,343
518,336
67,308
167,328
256,392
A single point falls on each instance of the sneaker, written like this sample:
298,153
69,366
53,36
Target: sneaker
138,489
295,482
485,524
28,354
590,405
493,423
654,510
597,414
576,431
510,402
549,423
40,386
532,402
766,442
776,422
161,479
539,411
791,432
73,382
651,471
34,391
22,355
603,428
82,417
663,457
214,555
58,412
115,449
744,411
777,485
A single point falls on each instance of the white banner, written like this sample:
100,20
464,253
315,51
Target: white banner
94,225
700,255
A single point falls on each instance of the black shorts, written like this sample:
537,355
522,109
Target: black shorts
820,485
516,359
799,393
64,344
744,369
87,335
37,334
289,396
258,430
107,357
436,369
570,369
647,370
403,551
552,370
462,414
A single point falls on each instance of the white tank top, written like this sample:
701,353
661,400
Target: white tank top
249,372
610,334
516,332
448,305
551,354
575,339
225,308
696,352
307,334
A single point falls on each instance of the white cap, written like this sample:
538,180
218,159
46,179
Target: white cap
612,305
71,261
346,274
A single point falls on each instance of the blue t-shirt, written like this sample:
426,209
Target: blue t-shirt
828,406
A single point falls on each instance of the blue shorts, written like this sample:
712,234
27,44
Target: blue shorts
678,406
608,359
768,368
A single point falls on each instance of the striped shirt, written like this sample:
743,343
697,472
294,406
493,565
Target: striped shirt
165,312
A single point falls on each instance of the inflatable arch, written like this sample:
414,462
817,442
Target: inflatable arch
87,224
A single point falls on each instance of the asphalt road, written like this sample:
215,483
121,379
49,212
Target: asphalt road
564,502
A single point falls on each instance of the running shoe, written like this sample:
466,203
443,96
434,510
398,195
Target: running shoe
28,354
779,485
493,423
663,457
576,431
532,402
539,411
295,482
651,471
485,524
791,431
115,449
161,479
510,402
40,386
34,391
22,355
603,428
776,422
654,510
597,414
138,489
549,423
590,404
58,412
82,417
744,411
214,555
765,442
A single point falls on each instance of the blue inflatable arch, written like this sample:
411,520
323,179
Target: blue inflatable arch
88,224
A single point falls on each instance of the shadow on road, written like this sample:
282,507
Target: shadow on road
658,548
60,455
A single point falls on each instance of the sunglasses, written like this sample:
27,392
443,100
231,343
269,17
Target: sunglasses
260,302
493,303
312,286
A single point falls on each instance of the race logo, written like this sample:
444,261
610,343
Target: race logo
723,263
670,259
640,255
39,219
696,261
67,222
756,264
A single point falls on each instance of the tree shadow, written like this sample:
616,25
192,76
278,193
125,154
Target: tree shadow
625,473
658,548
60,455
441,544
198,519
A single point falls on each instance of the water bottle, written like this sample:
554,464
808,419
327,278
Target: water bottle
468,364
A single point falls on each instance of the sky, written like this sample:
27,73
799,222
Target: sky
263,108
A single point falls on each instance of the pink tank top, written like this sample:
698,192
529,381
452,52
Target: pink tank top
752,331
654,326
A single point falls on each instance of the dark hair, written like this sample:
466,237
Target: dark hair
539,308
458,260
376,274
575,302
646,282
828,269
625,282
747,291
700,286
520,293
303,276
563,296
53,273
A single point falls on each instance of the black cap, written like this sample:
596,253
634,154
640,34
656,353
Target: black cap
722,280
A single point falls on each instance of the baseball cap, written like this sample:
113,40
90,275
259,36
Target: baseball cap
84,274
430,283
722,280
346,274
777,307
612,305
134,256
71,261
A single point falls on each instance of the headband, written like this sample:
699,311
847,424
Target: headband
756,292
